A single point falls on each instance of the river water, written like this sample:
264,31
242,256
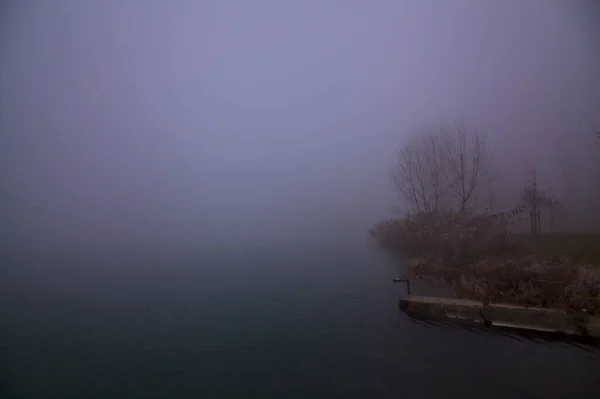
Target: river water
255,321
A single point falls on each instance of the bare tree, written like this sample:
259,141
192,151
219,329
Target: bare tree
439,167
534,198
468,163
409,176
418,173
553,204
435,159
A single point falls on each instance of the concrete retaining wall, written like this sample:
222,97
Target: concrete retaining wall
503,315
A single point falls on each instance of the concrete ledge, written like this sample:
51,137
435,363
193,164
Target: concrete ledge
503,315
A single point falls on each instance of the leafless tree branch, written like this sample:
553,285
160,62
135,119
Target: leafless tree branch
441,165
469,163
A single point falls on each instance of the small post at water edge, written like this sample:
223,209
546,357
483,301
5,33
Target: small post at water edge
403,279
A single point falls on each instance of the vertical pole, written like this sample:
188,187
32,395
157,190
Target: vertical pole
531,222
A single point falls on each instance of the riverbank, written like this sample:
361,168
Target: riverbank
555,283
480,260
512,317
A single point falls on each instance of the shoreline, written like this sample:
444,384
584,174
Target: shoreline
477,257
503,316
558,284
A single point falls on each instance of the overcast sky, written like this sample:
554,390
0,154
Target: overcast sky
269,117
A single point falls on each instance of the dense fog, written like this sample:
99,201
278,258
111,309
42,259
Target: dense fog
266,121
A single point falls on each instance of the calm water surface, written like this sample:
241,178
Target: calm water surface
315,321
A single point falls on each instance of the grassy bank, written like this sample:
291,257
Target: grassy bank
580,247
479,258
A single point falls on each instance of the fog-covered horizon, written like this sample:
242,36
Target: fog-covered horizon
269,119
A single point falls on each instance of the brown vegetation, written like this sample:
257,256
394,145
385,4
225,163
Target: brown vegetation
479,258
443,176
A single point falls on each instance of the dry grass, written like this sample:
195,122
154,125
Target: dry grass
480,260
580,247
558,283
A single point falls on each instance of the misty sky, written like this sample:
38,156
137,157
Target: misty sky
191,118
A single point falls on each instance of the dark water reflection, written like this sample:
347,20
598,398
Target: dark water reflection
255,322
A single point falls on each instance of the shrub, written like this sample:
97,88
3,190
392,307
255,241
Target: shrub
452,237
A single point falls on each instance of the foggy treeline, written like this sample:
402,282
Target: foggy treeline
276,120
568,184
453,166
